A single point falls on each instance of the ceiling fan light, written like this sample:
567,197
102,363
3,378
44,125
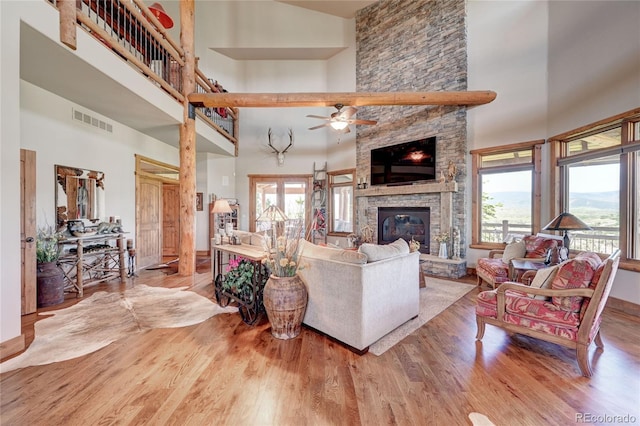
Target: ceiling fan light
339,125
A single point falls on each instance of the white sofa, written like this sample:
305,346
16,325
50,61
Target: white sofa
358,297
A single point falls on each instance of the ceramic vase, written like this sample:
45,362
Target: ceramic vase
50,281
285,300
443,251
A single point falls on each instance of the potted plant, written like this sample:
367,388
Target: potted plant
239,278
50,278
285,295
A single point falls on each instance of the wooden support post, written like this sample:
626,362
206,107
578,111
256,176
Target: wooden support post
187,263
68,22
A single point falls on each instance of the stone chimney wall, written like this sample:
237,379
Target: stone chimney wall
417,45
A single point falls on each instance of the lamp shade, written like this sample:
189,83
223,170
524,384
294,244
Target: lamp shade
566,222
221,206
158,11
272,214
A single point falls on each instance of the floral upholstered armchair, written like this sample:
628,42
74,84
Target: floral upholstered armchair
494,270
563,305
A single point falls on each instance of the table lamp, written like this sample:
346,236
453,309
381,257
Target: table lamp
274,215
566,222
221,206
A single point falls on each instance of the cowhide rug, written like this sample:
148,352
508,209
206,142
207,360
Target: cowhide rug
105,317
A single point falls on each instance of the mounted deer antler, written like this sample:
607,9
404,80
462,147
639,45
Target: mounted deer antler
280,154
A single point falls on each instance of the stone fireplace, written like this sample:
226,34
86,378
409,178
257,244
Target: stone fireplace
414,46
408,223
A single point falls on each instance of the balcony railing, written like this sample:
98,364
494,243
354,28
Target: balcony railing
600,239
134,33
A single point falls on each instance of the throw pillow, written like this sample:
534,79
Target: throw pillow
313,251
375,252
538,246
543,279
574,273
513,250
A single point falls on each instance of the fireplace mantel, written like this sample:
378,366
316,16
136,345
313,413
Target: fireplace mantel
423,188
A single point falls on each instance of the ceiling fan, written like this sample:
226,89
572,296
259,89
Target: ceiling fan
341,119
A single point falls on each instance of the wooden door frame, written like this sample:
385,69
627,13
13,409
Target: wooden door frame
149,168
253,179
28,231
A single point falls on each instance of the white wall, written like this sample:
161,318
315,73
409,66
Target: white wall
341,77
594,61
9,172
47,127
555,66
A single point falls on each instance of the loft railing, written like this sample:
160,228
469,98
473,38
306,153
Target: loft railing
134,33
600,239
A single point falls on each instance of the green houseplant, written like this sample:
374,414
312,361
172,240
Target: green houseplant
50,278
47,244
239,278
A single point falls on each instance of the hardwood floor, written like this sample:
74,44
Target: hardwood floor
224,372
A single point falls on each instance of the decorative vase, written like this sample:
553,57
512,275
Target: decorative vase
285,300
50,280
443,251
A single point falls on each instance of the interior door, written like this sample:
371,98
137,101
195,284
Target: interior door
170,219
28,231
149,220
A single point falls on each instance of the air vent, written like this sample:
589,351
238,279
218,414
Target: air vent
92,121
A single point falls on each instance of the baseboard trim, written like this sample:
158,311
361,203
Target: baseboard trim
12,346
202,253
624,306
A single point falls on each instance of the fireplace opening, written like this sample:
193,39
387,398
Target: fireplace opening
405,223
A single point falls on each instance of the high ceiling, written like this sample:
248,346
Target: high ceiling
341,8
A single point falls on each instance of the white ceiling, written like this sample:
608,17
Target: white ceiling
341,8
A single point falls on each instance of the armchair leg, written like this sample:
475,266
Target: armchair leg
582,354
598,340
480,323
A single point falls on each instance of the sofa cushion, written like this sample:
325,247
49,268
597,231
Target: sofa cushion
314,251
251,238
538,246
513,250
574,273
376,252
534,314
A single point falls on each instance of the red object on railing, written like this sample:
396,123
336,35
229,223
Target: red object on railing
158,12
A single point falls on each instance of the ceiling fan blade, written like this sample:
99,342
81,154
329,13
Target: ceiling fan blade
319,116
348,112
320,126
367,122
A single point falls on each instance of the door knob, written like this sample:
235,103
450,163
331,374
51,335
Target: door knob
29,239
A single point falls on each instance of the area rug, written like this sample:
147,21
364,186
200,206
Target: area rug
435,297
103,318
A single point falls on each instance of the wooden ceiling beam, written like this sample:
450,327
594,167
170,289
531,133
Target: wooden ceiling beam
279,100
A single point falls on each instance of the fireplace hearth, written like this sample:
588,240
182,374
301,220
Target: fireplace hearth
406,223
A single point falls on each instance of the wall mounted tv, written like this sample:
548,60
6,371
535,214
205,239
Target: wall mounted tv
404,163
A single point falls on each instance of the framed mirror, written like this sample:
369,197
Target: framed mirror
79,194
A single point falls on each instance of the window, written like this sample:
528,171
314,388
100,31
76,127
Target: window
597,170
506,193
341,206
289,192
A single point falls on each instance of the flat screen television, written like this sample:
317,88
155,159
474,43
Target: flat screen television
404,163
